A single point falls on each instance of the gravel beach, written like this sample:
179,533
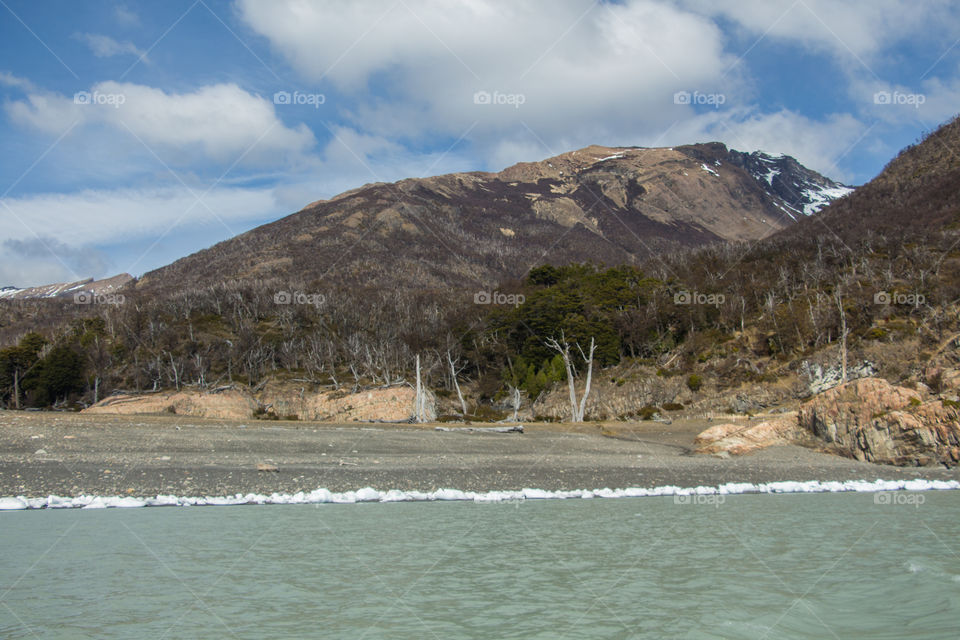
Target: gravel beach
68,454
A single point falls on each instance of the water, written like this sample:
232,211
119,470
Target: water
744,566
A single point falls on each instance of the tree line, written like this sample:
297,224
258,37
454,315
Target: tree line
713,309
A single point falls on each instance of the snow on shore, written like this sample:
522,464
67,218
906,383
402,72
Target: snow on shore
368,494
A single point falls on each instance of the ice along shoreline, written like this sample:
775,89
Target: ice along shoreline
370,495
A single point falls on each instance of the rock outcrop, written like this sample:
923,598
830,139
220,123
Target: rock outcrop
392,404
821,378
737,439
873,420
867,419
230,404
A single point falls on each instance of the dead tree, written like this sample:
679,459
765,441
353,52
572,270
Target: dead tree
563,348
419,400
456,385
843,338
517,400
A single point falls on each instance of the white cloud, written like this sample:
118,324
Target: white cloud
10,80
109,216
45,260
105,47
851,29
820,145
221,122
586,73
33,271
125,16
417,65
53,237
62,237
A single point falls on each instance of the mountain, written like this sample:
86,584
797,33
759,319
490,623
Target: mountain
916,194
602,204
68,289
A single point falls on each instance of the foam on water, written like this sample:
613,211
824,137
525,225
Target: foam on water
369,494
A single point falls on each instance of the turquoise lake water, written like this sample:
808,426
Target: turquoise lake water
745,566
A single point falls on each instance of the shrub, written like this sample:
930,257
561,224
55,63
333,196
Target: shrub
648,412
694,382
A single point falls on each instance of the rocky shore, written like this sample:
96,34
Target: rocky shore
70,454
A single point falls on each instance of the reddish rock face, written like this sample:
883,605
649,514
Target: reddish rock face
737,439
867,419
873,420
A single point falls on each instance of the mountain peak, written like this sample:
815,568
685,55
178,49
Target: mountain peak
610,205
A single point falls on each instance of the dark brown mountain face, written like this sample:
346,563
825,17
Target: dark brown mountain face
917,194
600,204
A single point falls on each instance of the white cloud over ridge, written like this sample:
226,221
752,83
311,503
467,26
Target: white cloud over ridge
60,231
575,62
220,122
92,216
587,73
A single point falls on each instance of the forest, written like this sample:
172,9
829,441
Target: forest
710,311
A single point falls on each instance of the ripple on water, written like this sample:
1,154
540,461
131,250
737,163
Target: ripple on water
753,566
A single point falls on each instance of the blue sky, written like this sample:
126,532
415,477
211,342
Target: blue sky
139,132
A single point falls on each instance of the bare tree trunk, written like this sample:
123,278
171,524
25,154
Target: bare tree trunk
418,400
16,388
570,387
586,389
843,339
456,385
516,402
563,348
176,374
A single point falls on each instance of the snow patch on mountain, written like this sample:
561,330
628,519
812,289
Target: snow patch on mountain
797,191
67,289
818,197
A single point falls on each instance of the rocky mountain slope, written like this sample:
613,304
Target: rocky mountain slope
82,289
914,195
608,205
